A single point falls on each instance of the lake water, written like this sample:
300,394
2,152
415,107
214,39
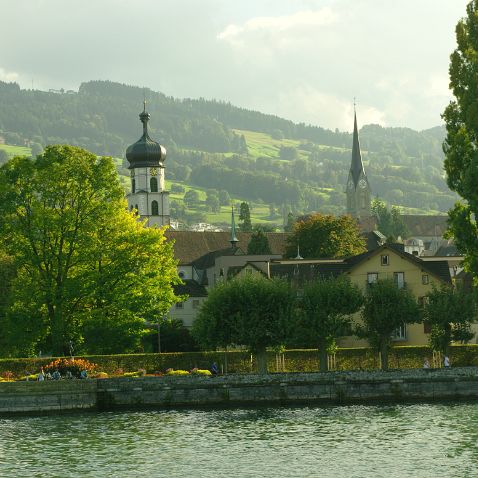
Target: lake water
416,440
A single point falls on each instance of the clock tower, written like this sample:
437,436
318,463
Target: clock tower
358,188
146,164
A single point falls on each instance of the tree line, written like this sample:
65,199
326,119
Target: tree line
261,314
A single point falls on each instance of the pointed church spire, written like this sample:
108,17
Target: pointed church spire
356,167
298,257
233,240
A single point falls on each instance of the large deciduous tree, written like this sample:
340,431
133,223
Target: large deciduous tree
450,312
84,263
250,311
386,309
324,235
389,222
325,309
461,143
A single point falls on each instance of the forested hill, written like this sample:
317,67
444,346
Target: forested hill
213,144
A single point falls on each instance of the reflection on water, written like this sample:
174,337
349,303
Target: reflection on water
439,440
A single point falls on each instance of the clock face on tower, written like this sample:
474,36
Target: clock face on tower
362,183
350,184
153,171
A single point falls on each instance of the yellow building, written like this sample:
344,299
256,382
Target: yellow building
389,261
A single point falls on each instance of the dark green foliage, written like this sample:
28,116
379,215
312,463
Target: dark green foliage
252,311
288,152
325,308
320,236
389,222
450,312
461,144
245,224
224,198
387,307
191,198
174,337
404,166
212,201
258,243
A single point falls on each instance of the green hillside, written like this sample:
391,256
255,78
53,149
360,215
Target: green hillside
276,165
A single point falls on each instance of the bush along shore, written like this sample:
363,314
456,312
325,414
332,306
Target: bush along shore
234,362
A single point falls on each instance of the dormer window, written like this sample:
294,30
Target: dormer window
385,260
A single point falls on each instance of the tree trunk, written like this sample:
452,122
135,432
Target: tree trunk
56,330
261,357
324,366
384,355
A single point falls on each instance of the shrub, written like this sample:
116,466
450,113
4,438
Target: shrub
101,375
177,372
196,371
74,366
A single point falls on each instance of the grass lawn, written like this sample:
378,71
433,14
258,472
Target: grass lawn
16,150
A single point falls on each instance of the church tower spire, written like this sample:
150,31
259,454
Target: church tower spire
146,164
358,187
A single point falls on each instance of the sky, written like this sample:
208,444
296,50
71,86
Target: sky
304,60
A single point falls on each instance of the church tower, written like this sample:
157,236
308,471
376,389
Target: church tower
146,164
358,188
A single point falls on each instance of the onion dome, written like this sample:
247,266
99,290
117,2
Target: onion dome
145,152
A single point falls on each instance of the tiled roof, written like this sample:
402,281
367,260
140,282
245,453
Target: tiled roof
303,272
437,268
425,225
191,245
190,288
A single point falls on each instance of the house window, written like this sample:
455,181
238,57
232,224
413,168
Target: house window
154,208
422,301
400,333
196,303
399,278
427,327
425,279
385,260
153,185
179,305
372,277
133,186
181,274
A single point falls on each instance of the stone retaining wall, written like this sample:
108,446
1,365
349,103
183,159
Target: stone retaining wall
190,391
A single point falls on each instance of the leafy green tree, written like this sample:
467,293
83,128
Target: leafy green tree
386,309
191,198
450,312
175,337
289,226
320,235
252,311
389,222
461,143
81,257
288,152
212,201
224,198
258,244
325,309
245,224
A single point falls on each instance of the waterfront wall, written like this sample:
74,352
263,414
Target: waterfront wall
190,391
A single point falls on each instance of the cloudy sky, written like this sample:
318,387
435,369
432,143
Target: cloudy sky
301,59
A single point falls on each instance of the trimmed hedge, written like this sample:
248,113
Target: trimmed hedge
243,362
